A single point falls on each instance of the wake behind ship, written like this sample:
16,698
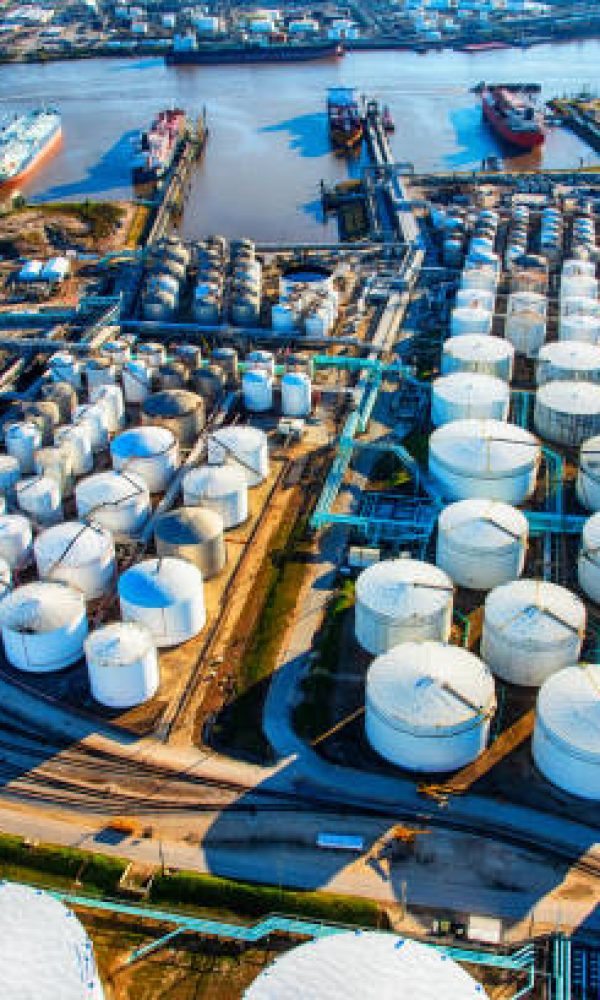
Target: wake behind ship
513,117
25,141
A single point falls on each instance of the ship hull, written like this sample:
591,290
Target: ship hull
50,147
526,140
253,54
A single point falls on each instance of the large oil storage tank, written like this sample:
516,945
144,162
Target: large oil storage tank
77,554
77,441
468,394
110,398
588,566
166,595
44,626
137,381
44,950
588,477
566,736
525,325
22,441
296,394
482,543
564,360
360,965
222,488
579,326
428,706
245,447
149,452
531,629
15,540
473,352
399,600
468,319
567,412
194,534
40,498
178,410
484,458
117,501
93,417
257,389
122,664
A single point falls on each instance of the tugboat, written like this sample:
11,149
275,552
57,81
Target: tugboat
513,116
345,118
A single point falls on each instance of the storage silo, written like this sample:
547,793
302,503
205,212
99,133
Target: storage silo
588,565
55,461
468,394
149,452
492,356
122,664
117,501
525,325
22,441
44,950
567,412
296,394
566,736
10,473
573,361
44,626
39,497
166,595
484,458
469,319
531,629
110,398
194,534
79,555
244,447
63,395
222,488
15,540
93,417
588,477
179,411
356,965
137,381
257,389
428,706
399,600
481,543
77,441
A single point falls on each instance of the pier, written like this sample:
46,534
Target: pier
171,195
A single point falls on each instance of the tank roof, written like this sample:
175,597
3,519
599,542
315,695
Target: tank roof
403,587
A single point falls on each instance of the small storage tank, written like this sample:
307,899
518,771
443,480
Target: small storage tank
22,441
226,359
116,351
150,452
63,395
582,327
468,319
159,305
484,458
222,488
172,375
262,360
122,664
76,440
177,410
588,566
296,395
484,278
99,371
46,414
152,354
583,268
77,554
166,595
473,352
39,497
428,706
468,394
531,629
245,447
475,298
245,310
65,367
399,600
188,355
573,361
137,381
566,736
525,325
209,382
207,311
117,501
44,626
588,477
110,398
482,543
93,417
257,389
194,534
15,540
284,317
10,473
578,285
55,461
567,412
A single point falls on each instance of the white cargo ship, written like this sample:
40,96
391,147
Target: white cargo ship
26,140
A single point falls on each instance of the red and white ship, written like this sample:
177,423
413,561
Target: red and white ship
157,147
513,117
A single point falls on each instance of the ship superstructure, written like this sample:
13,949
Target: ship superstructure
345,118
513,116
25,140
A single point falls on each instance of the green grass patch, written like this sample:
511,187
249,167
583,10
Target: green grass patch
58,867
102,217
138,226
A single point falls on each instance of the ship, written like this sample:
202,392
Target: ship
387,120
157,147
513,116
253,52
344,117
25,141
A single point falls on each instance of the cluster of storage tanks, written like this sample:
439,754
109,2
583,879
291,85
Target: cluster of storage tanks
308,301
74,480
227,273
166,269
259,385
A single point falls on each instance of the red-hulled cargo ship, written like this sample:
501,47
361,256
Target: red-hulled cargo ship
513,116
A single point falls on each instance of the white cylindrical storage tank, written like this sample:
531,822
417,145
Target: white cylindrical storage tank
492,356
588,477
15,539
399,600
475,298
152,354
467,319
137,381
573,361
63,395
484,278
566,736
296,394
531,629
428,706
468,394
578,285
194,534
257,388
222,488
481,543
588,565
262,359
360,965
576,326
117,501
10,473
55,461
122,664
93,417
45,951
245,447
117,351
525,325
65,367
77,554
99,371
76,439
567,412
584,268
111,398
44,626
40,498
166,595
22,441
484,458
149,452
